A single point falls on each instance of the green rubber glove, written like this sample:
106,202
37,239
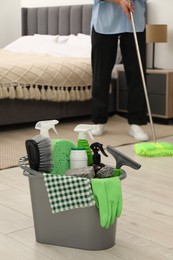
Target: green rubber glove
108,197
114,194
100,196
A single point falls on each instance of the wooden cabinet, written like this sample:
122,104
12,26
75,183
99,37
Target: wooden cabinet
159,88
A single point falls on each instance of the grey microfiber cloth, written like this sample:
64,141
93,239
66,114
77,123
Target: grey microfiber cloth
105,172
85,172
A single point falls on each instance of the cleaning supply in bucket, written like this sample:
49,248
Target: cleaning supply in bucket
45,126
78,158
105,172
39,152
121,159
85,172
108,197
68,192
61,149
83,130
39,148
95,147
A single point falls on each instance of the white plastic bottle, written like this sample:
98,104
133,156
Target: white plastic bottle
83,130
78,158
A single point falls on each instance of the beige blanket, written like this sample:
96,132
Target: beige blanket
44,77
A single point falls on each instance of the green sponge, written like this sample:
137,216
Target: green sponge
61,155
154,149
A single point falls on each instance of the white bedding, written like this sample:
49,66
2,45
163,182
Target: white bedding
61,46
57,45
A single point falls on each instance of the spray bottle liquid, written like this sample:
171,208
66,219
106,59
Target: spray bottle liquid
83,130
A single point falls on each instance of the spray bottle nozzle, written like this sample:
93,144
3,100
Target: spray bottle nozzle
97,157
45,126
84,129
96,147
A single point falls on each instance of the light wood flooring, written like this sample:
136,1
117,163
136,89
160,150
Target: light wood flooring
144,230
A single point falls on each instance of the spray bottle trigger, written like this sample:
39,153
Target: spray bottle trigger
53,127
102,150
45,126
98,146
90,134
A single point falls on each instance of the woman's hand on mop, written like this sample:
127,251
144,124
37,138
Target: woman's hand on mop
126,5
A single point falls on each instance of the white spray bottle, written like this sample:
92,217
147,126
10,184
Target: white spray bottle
83,130
39,148
45,126
61,148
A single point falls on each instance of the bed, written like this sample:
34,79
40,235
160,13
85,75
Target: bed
40,86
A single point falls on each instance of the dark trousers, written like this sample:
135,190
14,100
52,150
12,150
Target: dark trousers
104,51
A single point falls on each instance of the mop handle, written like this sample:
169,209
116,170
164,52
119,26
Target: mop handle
143,78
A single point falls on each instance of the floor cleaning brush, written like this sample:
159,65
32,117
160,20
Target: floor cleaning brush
39,152
155,148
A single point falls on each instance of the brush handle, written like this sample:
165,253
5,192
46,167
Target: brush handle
122,159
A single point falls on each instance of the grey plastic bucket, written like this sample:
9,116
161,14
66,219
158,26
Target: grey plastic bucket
76,228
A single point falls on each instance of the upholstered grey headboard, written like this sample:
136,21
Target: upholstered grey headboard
62,20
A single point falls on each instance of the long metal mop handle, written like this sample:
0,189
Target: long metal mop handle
143,78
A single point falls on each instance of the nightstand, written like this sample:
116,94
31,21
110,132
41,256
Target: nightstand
159,88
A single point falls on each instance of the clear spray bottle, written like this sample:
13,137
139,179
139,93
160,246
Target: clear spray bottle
83,130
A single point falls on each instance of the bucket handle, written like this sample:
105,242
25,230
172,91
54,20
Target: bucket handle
23,162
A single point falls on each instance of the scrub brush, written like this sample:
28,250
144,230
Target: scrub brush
39,152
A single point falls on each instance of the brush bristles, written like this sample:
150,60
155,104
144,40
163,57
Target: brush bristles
45,153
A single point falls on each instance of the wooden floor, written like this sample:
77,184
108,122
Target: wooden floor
144,230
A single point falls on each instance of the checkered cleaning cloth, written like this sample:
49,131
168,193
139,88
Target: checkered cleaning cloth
68,192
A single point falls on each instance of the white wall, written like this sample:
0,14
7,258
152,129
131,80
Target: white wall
10,21
161,12
10,15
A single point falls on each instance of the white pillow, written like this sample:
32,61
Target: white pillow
46,37
33,43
